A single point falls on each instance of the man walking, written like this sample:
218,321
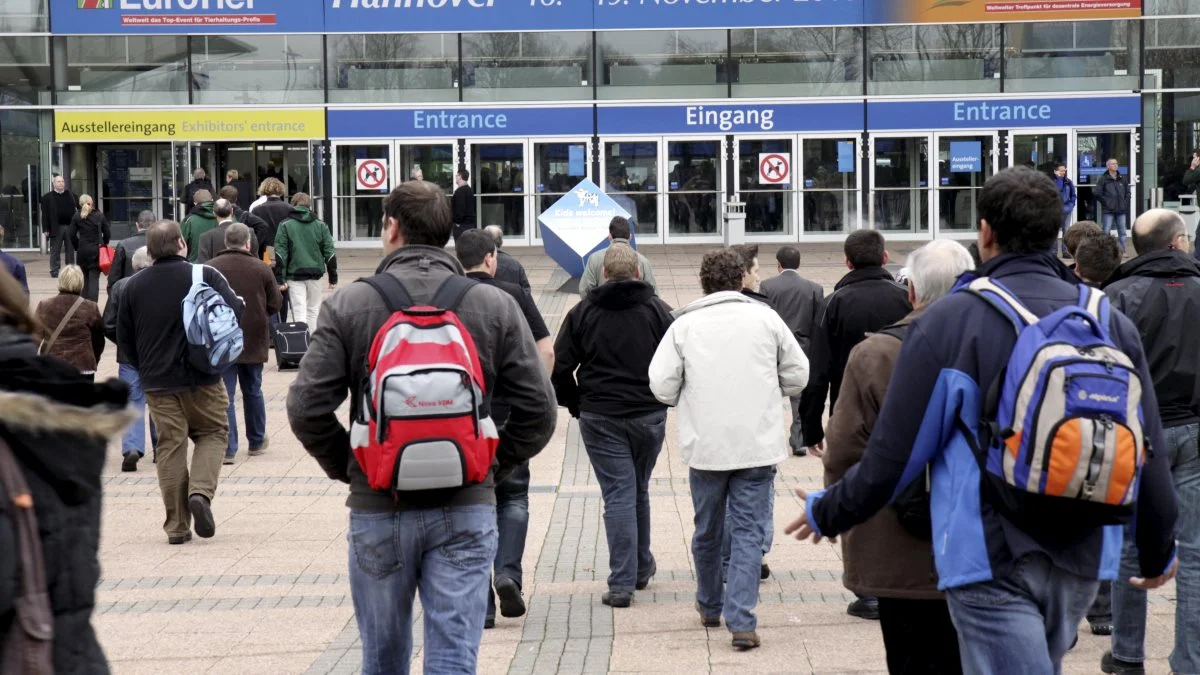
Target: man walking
255,285
619,232
508,268
477,253
439,543
59,207
1160,292
1112,191
722,343
463,203
184,403
122,264
882,557
798,301
199,182
133,444
303,252
602,357
258,227
212,242
200,220
1018,579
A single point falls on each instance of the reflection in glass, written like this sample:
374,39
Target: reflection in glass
128,182
946,58
1039,151
1093,150
830,188
1172,132
676,64
257,69
393,67
901,184
797,61
693,186
768,205
1071,55
830,211
24,70
499,178
558,167
958,185
631,179
24,16
360,212
527,66
1171,7
133,70
435,164
22,140
1172,52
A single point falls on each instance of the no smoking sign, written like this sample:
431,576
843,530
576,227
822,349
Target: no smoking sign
774,168
371,174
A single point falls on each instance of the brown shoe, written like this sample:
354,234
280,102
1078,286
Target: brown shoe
708,621
744,641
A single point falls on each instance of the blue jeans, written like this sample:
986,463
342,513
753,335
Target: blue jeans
1129,603
623,452
512,523
443,554
746,492
1106,221
135,436
1066,225
254,408
767,525
1022,623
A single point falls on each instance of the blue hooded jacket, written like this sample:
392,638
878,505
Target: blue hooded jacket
951,354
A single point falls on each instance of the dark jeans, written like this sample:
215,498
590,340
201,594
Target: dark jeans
623,452
1101,609
60,245
512,522
919,637
254,408
91,284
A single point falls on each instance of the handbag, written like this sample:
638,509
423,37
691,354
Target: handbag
106,258
28,648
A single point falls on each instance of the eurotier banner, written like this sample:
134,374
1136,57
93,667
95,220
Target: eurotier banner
116,17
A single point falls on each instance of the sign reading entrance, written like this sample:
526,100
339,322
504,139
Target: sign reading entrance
576,226
371,174
188,125
774,168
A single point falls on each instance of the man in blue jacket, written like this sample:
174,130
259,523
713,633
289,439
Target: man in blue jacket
1016,595
1066,190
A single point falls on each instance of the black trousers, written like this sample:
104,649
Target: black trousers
60,247
919,637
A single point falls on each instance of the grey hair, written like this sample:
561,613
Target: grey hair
933,268
236,236
142,259
145,219
496,233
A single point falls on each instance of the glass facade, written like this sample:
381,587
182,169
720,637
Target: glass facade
229,69
392,68
118,70
526,66
796,62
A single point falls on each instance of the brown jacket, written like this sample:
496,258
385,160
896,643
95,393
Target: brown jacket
253,281
81,342
881,559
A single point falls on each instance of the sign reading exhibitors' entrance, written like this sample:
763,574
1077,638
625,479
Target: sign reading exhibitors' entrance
966,156
103,125
774,168
371,174
576,226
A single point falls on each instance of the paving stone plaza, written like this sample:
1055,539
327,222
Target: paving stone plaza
270,594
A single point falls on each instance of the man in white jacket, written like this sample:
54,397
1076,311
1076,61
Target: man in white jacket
724,364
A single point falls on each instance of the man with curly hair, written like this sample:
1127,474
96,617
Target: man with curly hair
726,342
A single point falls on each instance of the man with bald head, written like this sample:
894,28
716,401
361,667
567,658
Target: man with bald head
508,268
1160,291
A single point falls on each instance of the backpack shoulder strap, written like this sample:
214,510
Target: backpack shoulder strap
1003,301
391,289
197,274
1095,302
452,291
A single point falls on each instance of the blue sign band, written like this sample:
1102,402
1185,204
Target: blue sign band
1004,113
728,118
459,122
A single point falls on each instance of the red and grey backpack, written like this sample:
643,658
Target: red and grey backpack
420,421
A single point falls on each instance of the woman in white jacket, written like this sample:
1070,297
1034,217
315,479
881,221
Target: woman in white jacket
724,364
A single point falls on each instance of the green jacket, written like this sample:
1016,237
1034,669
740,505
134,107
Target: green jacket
304,248
199,221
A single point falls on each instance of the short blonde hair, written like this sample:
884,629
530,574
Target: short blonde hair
272,187
620,262
70,280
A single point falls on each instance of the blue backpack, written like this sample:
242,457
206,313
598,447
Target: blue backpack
213,333
1061,436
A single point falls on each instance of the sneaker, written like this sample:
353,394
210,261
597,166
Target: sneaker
764,572
176,539
266,443
617,598
511,603
1111,664
744,641
644,581
708,621
129,464
202,517
228,460
864,608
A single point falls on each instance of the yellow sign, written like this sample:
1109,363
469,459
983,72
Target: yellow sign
189,125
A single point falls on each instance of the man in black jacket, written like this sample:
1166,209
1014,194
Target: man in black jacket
199,182
508,268
477,252
258,226
601,375
463,203
1112,191
1160,291
184,403
59,206
122,264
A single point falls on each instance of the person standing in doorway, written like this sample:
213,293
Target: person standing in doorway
89,232
1066,189
58,209
463,203
1112,191
304,251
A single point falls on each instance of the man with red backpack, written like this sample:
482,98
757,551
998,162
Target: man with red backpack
421,350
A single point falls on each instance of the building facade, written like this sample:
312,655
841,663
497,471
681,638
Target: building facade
822,117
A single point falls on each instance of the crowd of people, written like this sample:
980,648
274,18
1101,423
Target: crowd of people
1004,435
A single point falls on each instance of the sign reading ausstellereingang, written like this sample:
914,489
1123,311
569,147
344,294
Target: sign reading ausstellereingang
188,125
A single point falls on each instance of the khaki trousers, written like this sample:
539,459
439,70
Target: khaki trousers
198,414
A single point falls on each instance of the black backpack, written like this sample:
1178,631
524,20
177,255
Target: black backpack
912,504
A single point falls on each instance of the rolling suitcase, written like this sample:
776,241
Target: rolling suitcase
291,343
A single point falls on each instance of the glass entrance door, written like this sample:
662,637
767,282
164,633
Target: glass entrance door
631,178
432,162
900,192
1093,150
130,181
769,200
358,212
964,164
558,166
829,191
498,175
695,184
1040,151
